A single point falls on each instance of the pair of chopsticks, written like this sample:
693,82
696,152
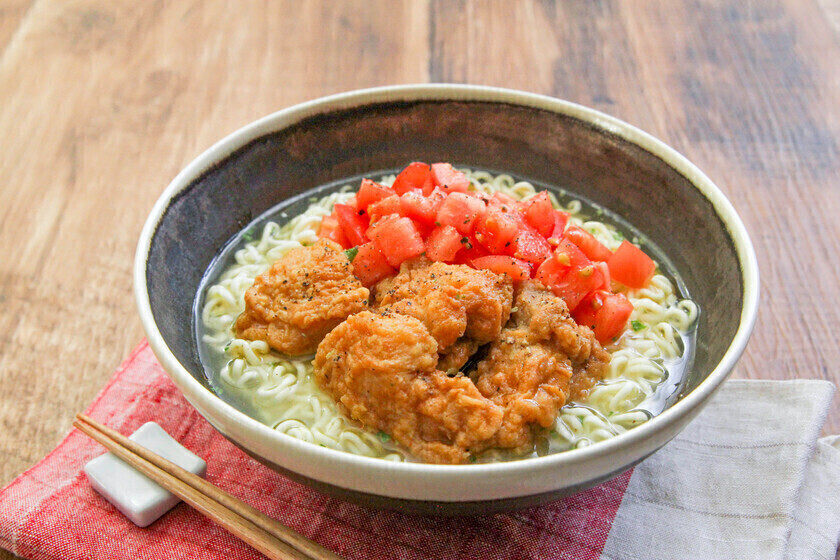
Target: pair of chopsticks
258,530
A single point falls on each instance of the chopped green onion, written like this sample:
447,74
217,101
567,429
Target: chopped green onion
383,436
351,253
637,325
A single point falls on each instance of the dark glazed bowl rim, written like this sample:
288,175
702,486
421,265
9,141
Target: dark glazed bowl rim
448,483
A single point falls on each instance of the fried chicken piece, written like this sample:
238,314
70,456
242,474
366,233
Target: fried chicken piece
302,297
529,379
452,300
455,356
381,369
546,317
538,364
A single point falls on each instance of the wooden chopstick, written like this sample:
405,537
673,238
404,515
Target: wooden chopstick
258,530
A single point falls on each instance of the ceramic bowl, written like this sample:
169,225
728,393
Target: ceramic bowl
532,137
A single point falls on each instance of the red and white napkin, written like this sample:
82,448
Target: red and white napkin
749,478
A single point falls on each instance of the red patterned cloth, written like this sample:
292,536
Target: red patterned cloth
51,512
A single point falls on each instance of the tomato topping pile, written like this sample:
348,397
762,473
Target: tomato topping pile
430,210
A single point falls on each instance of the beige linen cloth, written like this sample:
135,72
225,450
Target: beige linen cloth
748,479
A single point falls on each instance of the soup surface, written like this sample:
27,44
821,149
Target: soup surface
648,354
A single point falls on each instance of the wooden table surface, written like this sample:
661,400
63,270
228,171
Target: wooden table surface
101,103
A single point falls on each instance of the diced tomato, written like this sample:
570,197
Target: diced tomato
586,312
569,255
605,276
483,197
352,223
384,207
505,199
443,244
415,176
397,238
539,213
425,228
428,186
587,243
569,274
422,208
449,179
605,313
370,266
529,245
518,270
612,317
371,192
496,229
460,211
560,220
470,250
330,229
631,266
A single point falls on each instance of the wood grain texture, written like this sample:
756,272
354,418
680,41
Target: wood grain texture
12,13
103,102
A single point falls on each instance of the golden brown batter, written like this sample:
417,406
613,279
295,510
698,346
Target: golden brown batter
301,298
382,371
547,319
455,302
529,380
395,370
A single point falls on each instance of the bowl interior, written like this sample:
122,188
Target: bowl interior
538,145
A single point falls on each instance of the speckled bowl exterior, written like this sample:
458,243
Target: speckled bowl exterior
537,138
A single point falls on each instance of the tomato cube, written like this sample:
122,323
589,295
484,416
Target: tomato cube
631,266
518,270
330,229
384,207
371,192
569,274
586,313
587,243
470,250
443,244
422,208
604,269
529,245
449,179
612,318
424,228
415,176
397,238
560,220
496,229
370,266
352,223
504,199
539,213
461,211
605,313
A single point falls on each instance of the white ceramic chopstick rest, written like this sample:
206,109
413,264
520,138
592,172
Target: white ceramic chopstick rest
136,496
